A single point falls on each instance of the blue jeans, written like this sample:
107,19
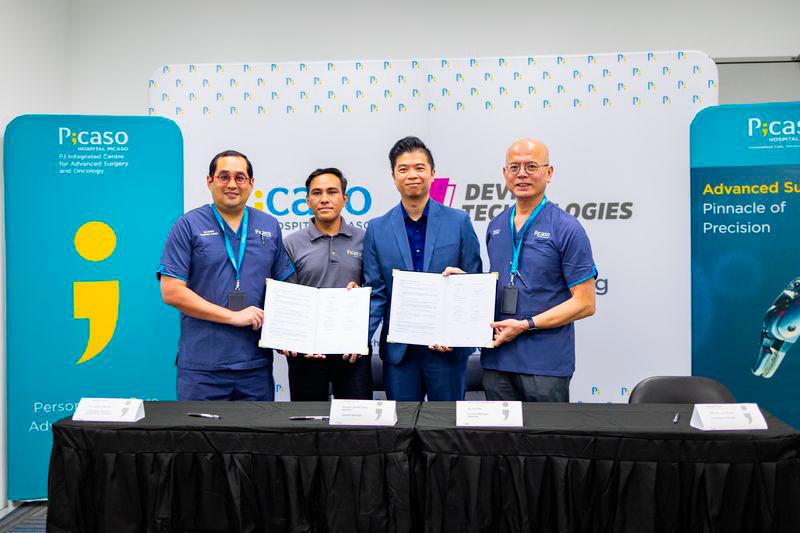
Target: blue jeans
440,376
256,384
501,385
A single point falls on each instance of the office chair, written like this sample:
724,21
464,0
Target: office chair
680,389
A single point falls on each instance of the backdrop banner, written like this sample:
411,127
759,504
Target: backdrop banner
617,126
745,262
84,315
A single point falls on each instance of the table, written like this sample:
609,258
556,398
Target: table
603,467
251,470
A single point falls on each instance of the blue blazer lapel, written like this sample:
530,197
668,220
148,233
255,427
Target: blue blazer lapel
399,228
434,218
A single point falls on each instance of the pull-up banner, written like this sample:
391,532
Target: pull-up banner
88,204
745,257
618,130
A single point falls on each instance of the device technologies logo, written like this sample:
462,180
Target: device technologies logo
443,191
96,301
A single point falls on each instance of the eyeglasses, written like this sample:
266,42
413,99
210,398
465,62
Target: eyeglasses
239,178
530,167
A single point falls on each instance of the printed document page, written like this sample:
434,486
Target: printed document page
310,320
416,308
470,310
343,321
289,317
453,311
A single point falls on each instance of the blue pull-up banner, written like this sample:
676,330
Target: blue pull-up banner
745,196
88,203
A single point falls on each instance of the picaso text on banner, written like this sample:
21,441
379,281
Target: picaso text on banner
745,261
84,313
617,126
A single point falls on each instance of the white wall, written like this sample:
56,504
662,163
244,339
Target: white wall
34,66
95,56
116,45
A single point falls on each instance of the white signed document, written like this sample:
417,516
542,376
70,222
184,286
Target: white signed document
310,320
454,310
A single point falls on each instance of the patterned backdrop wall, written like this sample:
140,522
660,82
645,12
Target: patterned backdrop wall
617,125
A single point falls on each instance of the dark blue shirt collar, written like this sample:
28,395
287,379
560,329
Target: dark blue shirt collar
424,216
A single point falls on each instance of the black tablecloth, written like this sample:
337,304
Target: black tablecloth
599,467
251,470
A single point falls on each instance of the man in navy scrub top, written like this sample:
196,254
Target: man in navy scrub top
546,283
213,270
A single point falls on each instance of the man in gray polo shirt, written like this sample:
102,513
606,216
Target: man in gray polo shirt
327,253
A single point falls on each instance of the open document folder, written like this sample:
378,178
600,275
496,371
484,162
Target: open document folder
455,310
310,320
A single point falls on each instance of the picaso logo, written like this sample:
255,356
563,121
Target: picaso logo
280,201
93,138
775,127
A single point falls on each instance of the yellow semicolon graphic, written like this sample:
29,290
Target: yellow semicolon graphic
96,301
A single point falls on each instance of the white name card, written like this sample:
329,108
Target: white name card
363,413
489,414
727,416
109,410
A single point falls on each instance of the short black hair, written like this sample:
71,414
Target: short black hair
409,144
212,168
331,170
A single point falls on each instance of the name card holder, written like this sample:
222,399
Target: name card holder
489,414
363,413
109,410
727,416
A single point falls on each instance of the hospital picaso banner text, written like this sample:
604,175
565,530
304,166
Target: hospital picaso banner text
617,125
745,258
88,204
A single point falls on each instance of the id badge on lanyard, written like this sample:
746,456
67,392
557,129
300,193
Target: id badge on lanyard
509,297
237,299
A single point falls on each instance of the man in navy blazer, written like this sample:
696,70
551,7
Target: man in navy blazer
422,235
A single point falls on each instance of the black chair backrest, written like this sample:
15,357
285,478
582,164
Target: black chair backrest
680,389
474,373
377,373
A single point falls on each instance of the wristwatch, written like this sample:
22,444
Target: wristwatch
531,325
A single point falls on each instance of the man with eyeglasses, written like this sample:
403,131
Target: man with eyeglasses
213,270
546,282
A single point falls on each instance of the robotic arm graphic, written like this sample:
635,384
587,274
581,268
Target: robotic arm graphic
780,330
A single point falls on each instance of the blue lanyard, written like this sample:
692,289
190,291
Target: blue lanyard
516,245
237,266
